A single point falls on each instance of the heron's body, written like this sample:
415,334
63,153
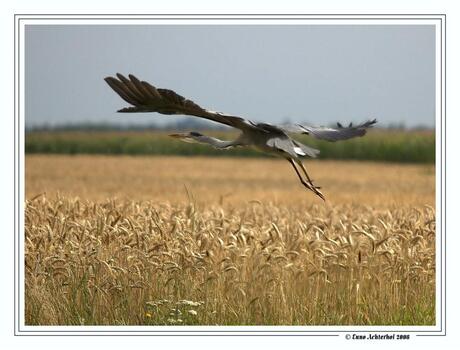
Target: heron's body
267,138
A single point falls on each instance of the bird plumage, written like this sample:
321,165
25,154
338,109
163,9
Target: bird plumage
144,97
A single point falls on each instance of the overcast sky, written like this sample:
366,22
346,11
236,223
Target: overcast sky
315,73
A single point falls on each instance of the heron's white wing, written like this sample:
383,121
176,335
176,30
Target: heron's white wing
291,147
330,134
144,97
305,150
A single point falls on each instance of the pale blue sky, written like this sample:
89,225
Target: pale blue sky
315,73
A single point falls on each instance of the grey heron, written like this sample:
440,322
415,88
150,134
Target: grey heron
268,138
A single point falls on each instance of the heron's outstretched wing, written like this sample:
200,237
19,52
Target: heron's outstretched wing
146,98
330,134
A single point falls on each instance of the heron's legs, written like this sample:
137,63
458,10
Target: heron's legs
306,174
309,184
315,189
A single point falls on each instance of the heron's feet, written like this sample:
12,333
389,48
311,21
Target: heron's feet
317,191
319,194
313,185
314,189
310,181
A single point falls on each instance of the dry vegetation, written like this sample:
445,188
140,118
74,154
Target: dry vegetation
267,254
227,180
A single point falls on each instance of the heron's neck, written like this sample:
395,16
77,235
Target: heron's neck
220,143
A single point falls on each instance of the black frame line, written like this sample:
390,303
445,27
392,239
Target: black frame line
237,16
185,335
229,19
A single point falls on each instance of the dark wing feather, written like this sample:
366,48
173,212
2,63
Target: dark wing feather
144,97
331,134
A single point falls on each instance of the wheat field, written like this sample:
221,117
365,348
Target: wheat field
210,241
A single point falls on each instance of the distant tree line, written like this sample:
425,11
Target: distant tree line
187,124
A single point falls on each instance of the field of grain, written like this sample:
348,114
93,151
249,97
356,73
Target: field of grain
208,241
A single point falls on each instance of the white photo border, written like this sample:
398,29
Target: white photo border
20,20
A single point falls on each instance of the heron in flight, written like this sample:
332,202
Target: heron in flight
268,138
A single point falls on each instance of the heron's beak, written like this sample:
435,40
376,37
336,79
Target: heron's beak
178,136
183,137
